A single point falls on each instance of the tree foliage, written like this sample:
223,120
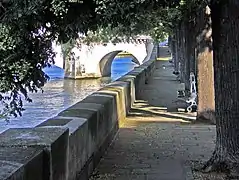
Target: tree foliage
28,28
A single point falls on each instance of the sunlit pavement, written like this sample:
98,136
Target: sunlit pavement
158,141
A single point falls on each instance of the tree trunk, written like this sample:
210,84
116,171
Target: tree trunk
170,41
192,43
193,59
181,52
188,51
173,50
177,60
158,49
205,74
225,25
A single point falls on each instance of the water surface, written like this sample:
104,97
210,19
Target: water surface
61,93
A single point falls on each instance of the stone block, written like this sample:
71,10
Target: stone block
80,150
107,128
92,123
105,114
90,138
131,80
21,163
118,93
78,142
55,121
126,93
53,141
111,107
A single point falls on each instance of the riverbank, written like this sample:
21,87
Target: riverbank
60,93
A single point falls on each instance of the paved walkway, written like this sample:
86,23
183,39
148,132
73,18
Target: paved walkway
158,142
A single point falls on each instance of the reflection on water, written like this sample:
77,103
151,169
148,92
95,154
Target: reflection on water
61,93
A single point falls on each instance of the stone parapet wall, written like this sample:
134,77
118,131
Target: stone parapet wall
70,145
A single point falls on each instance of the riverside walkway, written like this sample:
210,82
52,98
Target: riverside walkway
158,141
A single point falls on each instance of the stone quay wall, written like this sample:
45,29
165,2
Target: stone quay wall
70,145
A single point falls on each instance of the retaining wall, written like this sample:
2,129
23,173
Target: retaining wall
70,145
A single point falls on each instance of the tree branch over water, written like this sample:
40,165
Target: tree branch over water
28,28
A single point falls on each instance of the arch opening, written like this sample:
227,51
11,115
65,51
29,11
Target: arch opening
105,63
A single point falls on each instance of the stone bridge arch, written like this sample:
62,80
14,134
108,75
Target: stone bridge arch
105,64
103,56
95,61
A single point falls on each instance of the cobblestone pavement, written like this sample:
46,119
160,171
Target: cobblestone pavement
158,141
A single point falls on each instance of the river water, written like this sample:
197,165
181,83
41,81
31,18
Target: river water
60,93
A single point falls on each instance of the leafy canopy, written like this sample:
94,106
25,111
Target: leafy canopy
28,27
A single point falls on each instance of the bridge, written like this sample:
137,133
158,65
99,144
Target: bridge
95,61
